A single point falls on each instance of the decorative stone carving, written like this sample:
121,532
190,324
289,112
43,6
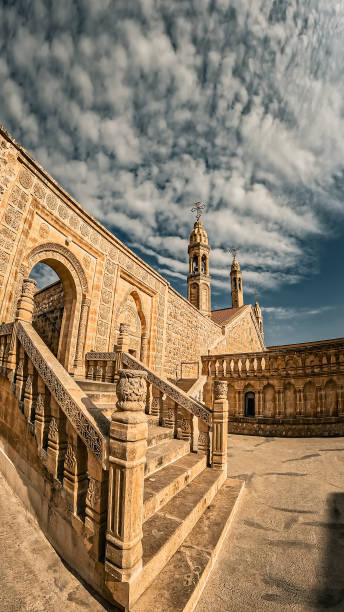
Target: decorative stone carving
44,230
131,390
102,329
63,212
70,458
12,217
53,429
18,198
93,493
51,201
25,178
39,191
74,221
220,389
106,296
86,261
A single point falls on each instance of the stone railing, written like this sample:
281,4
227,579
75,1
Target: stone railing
296,390
91,477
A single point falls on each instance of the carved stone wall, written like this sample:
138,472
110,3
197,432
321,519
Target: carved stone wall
47,315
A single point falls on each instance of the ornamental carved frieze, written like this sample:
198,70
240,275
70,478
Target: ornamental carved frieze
12,217
39,191
51,201
18,198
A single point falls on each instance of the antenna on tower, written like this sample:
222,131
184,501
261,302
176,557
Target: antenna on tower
197,208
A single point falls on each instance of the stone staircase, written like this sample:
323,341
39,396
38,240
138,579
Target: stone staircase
188,508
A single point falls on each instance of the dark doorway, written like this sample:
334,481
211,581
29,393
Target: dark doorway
249,404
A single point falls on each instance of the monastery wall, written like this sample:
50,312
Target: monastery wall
286,391
241,335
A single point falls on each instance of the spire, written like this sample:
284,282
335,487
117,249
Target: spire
236,280
258,314
198,278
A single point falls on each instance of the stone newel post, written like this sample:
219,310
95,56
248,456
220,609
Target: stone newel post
122,344
220,425
128,445
25,302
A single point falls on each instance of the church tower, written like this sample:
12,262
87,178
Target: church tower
258,314
198,278
236,283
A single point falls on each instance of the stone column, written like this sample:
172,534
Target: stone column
19,374
57,440
144,347
149,398
80,343
25,303
220,425
75,480
128,446
122,345
96,508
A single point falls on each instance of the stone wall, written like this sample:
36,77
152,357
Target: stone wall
189,334
240,335
48,313
287,391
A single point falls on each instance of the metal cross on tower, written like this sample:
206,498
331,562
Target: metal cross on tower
197,208
256,294
233,251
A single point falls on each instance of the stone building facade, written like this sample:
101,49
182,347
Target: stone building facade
104,283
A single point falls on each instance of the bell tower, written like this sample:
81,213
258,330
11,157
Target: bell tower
236,281
198,277
258,314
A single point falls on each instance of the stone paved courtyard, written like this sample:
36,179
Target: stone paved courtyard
285,550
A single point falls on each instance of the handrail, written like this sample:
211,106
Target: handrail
65,390
178,395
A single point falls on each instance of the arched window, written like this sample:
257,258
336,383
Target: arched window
195,264
239,281
249,404
204,264
234,284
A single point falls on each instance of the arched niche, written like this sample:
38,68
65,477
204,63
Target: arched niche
309,399
269,400
76,301
331,408
289,400
131,312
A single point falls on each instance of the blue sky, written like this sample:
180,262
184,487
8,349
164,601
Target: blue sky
139,108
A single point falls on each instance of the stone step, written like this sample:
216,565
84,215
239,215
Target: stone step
157,434
167,482
180,583
96,386
164,532
164,453
102,397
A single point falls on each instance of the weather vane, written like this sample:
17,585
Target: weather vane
233,251
197,208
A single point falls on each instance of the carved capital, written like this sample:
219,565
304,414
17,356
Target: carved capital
220,389
131,390
123,328
29,287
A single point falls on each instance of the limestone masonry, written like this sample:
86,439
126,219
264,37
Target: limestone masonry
117,394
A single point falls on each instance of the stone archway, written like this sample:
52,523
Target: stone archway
131,313
76,301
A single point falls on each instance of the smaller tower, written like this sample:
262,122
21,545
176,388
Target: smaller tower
258,314
236,282
198,277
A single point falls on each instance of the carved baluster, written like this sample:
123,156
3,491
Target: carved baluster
183,424
75,479
89,374
25,303
149,398
19,376
96,508
42,414
98,370
57,440
128,446
28,392
122,344
109,372
156,402
194,434
2,351
220,426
